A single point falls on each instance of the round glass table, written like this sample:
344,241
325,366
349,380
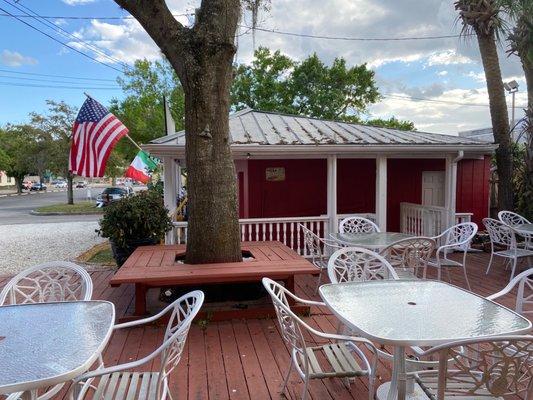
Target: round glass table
526,229
47,344
376,240
416,313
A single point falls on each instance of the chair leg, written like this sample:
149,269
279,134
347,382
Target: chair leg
448,274
304,390
514,268
490,261
466,278
319,280
286,380
439,272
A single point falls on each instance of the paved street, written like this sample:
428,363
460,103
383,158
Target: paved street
16,209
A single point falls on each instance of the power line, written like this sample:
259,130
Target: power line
23,78
65,33
57,76
57,86
59,41
274,31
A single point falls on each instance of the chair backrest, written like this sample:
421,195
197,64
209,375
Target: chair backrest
312,243
460,235
184,311
48,282
499,232
524,294
410,253
355,264
512,219
500,366
289,323
357,225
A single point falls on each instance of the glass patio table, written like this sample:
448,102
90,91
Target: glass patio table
408,313
46,344
526,229
376,240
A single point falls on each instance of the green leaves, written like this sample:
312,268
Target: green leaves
274,82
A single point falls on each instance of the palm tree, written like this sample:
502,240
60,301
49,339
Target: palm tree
482,17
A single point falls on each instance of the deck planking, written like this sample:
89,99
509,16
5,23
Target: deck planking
247,359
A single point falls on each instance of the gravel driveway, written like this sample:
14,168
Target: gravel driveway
24,245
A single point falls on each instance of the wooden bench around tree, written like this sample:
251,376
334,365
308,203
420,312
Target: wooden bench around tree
157,266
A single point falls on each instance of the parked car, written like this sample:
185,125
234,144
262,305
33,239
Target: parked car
60,184
38,187
112,194
27,185
81,185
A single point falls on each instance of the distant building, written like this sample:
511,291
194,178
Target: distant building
6,180
485,134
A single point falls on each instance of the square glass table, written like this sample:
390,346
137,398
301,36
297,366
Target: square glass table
406,313
47,344
371,241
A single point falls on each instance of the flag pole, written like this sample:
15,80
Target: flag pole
128,136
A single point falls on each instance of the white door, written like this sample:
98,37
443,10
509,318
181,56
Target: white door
433,188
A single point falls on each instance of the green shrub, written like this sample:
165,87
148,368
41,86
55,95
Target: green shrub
139,217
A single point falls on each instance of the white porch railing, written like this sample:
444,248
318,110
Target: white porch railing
284,230
420,220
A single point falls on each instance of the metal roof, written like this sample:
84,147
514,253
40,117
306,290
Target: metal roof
268,134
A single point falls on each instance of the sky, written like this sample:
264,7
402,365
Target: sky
438,84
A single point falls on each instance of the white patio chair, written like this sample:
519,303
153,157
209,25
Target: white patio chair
43,283
357,225
503,235
124,381
480,369
355,264
48,282
513,220
408,256
455,238
319,249
524,295
340,358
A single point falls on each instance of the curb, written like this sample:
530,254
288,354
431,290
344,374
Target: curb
33,212
34,192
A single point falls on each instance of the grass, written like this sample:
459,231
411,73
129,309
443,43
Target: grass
98,254
86,207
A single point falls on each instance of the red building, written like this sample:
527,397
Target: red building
310,169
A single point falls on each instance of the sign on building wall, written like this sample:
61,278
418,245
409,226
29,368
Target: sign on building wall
275,174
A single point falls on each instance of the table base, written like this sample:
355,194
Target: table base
417,393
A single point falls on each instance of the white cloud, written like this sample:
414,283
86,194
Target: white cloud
442,73
78,2
447,57
15,59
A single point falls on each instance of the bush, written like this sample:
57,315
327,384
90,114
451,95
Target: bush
137,218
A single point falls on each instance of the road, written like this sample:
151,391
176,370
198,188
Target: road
16,209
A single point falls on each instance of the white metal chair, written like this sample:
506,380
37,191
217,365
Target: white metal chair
488,368
512,219
455,238
357,225
503,235
43,283
351,264
319,249
124,381
408,256
48,282
341,357
524,295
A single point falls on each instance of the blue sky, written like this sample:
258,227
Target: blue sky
443,72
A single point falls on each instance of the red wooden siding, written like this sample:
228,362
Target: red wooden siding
356,185
404,184
301,194
473,188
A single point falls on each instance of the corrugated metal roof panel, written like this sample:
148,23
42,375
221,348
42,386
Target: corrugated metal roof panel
266,128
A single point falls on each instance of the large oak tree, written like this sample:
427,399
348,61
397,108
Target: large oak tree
202,57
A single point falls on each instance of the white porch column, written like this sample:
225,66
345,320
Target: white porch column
450,189
169,194
381,193
332,193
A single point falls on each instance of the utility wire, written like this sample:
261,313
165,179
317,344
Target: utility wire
65,33
56,76
411,98
23,78
58,86
274,31
60,42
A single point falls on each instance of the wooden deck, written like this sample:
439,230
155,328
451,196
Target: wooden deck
245,359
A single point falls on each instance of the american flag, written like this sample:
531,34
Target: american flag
94,134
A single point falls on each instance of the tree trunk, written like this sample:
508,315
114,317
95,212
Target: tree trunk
499,118
70,191
18,183
202,57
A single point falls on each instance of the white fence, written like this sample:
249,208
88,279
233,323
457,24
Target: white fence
420,220
284,230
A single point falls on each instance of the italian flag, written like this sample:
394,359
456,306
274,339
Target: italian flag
141,167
